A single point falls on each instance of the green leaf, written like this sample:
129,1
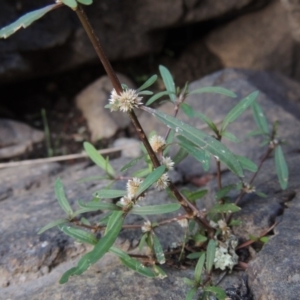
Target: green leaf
261,194
132,263
142,242
156,97
246,163
264,239
187,109
224,208
147,93
159,272
260,118
199,238
154,209
91,178
109,194
188,281
61,198
94,206
191,293
208,121
148,83
199,268
180,156
141,173
115,224
85,2
238,109
132,163
168,81
158,250
235,222
25,21
210,255
78,234
230,137
281,168
196,195
71,3
150,179
98,159
194,255
224,191
214,89
217,291
52,224
202,140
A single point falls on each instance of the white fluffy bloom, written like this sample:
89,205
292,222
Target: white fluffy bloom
147,226
168,162
157,142
224,228
183,223
223,259
133,185
126,201
126,101
162,182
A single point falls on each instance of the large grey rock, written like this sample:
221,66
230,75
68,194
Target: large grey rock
259,40
127,29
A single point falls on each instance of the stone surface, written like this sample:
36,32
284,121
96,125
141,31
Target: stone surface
91,102
279,98
17,138
127,29
134,147
259,40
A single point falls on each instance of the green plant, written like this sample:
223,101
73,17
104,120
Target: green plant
208,240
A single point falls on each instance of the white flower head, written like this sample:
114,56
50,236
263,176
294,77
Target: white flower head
183,223
162,182
224,228
157,142
126,101
147,226
126,201
168,162
247,188
223,259
133,185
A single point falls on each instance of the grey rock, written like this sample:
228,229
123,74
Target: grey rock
127,29
91,102
259,40
17,138
133,147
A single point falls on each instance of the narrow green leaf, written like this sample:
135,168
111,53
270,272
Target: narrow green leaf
199,268
199,238
202,140
78,234
224,208
210,255
52,224
109,194
255,132
159,272
146,93
154,209
85,2
246,163
180,156
264,239
194,255
234,222
224,191
98,159
132,263
168,81
61,198
188,281
238,109
99,205
158,250
115,224
230,137
25,20
132,163
148,83
214,89
260,118
187,109
141,173
156,97
71,3
207,120
142,242
150,179
196,195
217,291
281,168
191,293
261,194
91,178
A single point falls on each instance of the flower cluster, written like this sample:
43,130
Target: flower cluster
132,187
168,162
163,182
147,226
157,143
126,101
